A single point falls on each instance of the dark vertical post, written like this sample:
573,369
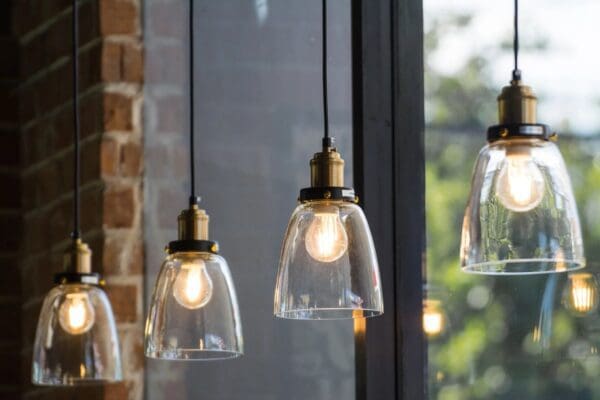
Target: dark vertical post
389,176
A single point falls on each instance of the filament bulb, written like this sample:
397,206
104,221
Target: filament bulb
326,239
434,321
581,294
76,314
193,287
520,185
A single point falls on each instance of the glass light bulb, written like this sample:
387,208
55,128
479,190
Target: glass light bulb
433,318
193,287
76,314
520,185
581,294
326,239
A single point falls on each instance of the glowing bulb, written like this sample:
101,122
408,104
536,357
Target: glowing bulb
433,318
581,294
193,287
520,185
76,314
326,239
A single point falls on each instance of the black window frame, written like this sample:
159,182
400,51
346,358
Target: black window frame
389,175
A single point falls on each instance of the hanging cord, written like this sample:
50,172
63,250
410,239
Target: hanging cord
193,198
516,74
76,234
327,141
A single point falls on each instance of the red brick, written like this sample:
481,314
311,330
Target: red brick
117,112
119,207
111,62
121,258
131,159
109,153
123,299
118,17
132,63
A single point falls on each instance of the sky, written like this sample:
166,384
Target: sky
566,76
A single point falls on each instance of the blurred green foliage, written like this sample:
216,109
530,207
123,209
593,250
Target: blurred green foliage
506,337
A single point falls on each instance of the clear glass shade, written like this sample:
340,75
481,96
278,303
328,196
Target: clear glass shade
194,311
76,340
521,217
328,267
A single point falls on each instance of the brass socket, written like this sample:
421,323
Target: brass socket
327,169
517,104
78,258
193,224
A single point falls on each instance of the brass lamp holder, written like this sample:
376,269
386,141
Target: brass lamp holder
517,115
193,231
77,263
327,177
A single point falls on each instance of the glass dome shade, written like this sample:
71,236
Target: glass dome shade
521,217
76,339
194,312
328,267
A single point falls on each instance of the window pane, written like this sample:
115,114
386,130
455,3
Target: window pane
507,337
259,120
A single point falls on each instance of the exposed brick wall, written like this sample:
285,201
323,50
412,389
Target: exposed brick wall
111,75
10,217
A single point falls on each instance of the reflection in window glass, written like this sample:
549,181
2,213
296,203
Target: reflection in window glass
259,121
533,337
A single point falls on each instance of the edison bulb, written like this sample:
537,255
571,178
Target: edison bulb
326,239
581,294
433,318
520,185
193,287
76,314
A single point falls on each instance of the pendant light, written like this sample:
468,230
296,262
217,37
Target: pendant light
328,267
580,295
521,217
76,339
194,312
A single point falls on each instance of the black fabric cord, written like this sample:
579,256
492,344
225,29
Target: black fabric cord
76,234
193,197
516,72
324,72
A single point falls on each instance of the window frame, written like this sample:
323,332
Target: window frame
389,175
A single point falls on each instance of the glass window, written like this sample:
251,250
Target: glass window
525,337
259,121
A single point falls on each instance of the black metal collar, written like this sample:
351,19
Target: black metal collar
205,246
327,193
508,131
